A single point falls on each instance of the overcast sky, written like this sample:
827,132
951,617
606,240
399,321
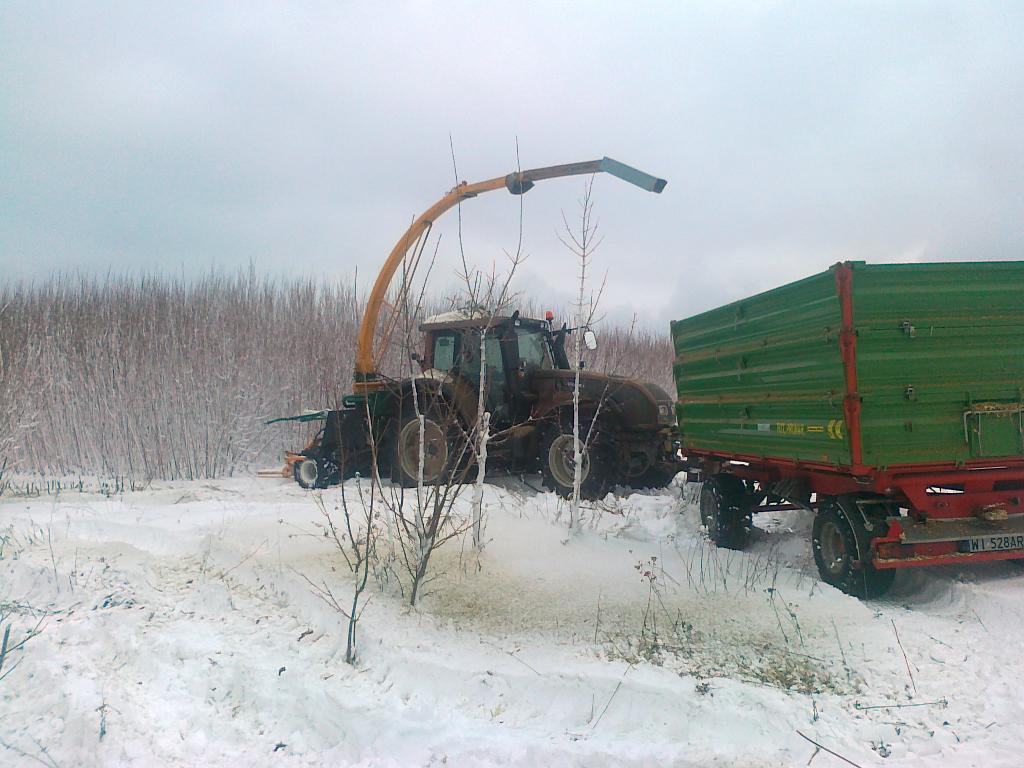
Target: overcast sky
303,137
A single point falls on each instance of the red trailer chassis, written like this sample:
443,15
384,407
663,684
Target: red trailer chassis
947,507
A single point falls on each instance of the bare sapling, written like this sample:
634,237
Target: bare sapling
483,430
419,531
427,448
424,523
489,295
435,444
582,242
353,531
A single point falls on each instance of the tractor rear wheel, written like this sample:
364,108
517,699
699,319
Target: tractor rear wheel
437,449
654,477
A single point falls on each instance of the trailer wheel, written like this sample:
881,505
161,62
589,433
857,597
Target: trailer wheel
842,550
724,511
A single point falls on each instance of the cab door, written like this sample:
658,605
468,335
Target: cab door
496,394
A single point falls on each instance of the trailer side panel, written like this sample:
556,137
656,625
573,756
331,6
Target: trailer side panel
940,361
764,376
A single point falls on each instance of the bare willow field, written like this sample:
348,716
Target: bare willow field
165,378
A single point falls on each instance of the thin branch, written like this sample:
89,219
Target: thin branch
905,659
826,749
608,703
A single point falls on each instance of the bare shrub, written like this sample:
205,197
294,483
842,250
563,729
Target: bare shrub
160,377
353,533
156,377
427,516
19,379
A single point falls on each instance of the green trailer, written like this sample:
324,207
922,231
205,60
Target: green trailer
887,397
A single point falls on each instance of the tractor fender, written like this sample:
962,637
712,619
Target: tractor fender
559,407
433,386
633,402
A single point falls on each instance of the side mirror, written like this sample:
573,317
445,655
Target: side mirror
590,339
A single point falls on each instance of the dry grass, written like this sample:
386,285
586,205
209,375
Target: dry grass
164,378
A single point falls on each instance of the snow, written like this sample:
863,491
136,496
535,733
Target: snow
180,631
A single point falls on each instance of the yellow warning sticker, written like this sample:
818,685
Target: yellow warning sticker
834,428
790,428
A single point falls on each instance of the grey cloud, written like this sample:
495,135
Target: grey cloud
304,138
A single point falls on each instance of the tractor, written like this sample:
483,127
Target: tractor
419,428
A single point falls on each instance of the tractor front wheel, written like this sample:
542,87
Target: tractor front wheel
313,473
558,463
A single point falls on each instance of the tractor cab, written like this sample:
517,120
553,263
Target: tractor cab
514,349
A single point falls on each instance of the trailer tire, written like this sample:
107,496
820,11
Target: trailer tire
724,511
842,550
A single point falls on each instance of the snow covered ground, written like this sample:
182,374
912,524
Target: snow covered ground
179,631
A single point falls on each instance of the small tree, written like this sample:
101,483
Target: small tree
355,537
491,295
423,521
582,242
430,518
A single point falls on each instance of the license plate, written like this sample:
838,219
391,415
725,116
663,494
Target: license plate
993,543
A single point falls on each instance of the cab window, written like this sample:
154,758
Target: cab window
534,348
471,359
444,351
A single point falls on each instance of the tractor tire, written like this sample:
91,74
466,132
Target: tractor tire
725,511
842,550
438,443
654,478
311,473
557,464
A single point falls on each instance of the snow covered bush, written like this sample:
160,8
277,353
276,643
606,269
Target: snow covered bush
19,373
167,378
163,377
